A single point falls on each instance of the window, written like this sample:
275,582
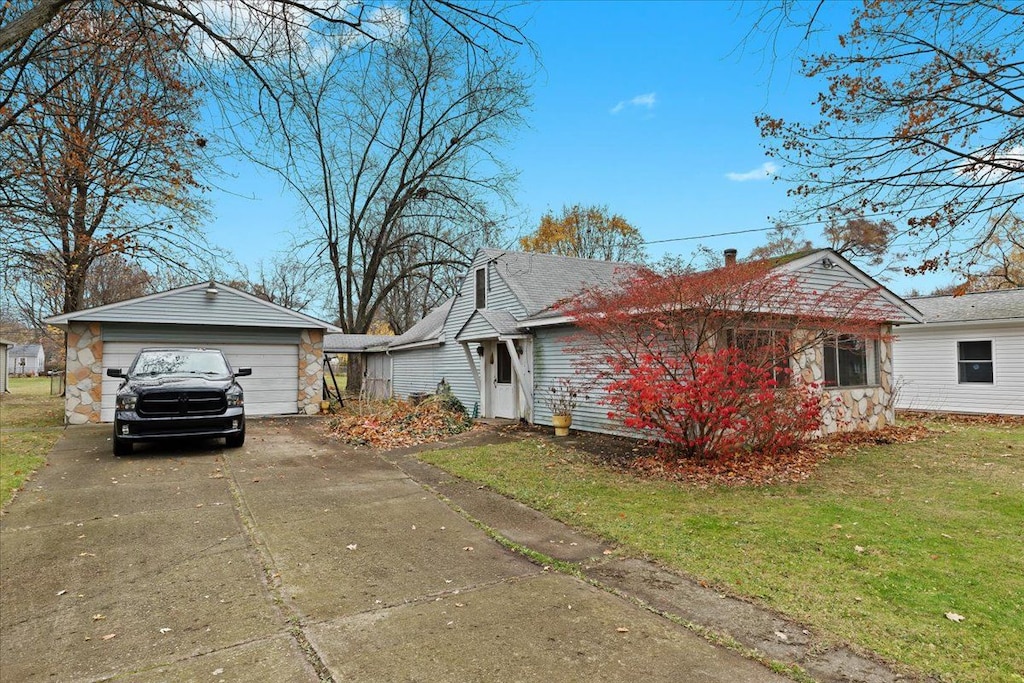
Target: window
481,288
504,375
762,348
974,361
851,361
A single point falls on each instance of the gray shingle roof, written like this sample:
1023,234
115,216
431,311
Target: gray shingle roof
427,329
540,281
354,343
27,350
996,305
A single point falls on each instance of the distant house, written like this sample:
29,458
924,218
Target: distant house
26,360
5,346
501,340
967,357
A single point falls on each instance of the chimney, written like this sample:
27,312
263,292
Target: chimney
730,257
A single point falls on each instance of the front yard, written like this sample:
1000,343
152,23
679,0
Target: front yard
875,548
30,424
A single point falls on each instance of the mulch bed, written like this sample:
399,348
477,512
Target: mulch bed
644,459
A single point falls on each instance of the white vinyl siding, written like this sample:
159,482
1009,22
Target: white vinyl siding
925,363
272,389
551,361
420,370
226,308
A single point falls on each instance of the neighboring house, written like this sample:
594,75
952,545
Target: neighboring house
501,341
4,347
284,348
376,366
26,360
967,357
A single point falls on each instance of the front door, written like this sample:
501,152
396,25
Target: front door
503,388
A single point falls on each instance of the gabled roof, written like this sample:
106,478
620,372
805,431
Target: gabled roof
901,310
197,304
1000,304
496,322
27,350
429,330
540,281
355,343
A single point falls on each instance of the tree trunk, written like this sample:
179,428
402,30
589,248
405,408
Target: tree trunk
355,373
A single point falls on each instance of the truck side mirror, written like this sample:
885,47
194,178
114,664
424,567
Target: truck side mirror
243,372
114,372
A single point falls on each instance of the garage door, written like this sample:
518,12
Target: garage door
272,389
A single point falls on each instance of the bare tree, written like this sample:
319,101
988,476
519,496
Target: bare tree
114,278
251,35
861,238
782,239
284,281
999,264
99,163
921,120
391,145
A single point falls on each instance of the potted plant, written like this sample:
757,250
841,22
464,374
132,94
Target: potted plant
562,397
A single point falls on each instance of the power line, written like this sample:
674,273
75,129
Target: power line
701,237
802,224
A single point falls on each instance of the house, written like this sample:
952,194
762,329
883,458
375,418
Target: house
284,348
967,356
26,360
5,346
501,341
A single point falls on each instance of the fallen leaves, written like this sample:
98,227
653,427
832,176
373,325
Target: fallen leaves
752,469
395,424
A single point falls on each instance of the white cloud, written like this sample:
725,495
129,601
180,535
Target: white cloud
763,172
647,100
995,167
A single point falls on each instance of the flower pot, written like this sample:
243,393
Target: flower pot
562,424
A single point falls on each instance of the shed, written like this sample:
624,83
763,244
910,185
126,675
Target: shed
284,348
26,360
967,356
376,366
4,347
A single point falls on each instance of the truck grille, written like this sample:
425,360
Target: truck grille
170,403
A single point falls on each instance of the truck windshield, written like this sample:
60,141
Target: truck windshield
179,362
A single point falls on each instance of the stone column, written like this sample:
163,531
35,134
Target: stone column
311,368
84,389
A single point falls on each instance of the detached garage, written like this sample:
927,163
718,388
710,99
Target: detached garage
284,348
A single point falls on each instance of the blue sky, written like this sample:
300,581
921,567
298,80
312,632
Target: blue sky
645,107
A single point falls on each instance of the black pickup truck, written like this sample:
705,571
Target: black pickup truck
173,393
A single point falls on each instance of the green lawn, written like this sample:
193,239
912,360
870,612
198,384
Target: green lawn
30,421
875,548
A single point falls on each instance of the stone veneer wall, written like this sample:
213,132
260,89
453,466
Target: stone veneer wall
84,389
311,367
856,408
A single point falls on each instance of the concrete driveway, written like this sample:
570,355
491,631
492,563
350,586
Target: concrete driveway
294,559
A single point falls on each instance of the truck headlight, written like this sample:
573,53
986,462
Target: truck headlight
235,399
126,401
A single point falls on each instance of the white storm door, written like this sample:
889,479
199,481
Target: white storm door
503,387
